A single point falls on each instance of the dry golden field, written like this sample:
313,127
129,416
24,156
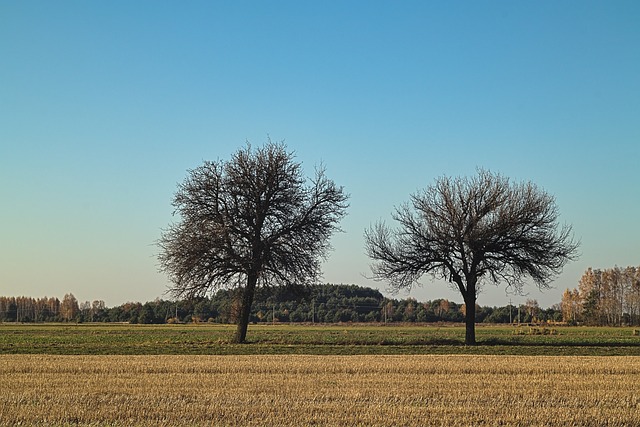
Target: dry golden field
319,390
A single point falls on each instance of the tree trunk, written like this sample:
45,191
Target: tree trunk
245,309
470,319
470,322
468,293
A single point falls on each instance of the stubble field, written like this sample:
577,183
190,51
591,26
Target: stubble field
297,390
326,375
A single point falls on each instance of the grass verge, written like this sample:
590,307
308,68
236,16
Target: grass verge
104,339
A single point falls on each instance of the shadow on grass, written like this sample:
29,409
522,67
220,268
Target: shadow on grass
555,343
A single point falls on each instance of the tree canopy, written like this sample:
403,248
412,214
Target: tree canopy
251,221
468,231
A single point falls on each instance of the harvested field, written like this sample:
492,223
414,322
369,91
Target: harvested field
289,390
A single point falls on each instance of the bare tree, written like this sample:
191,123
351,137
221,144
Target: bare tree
69,307
247,222
571,306
532,308
469,231
609,296
633,296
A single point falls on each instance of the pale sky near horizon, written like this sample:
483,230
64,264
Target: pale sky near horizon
104,106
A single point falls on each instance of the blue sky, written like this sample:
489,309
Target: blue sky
104,106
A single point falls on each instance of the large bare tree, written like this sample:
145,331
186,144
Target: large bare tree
251,221
469,231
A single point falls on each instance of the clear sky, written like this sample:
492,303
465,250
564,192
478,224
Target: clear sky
105,105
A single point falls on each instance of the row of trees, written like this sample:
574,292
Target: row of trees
50,309
321,304
604,297
27,309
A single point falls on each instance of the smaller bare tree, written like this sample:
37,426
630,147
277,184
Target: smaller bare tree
469,231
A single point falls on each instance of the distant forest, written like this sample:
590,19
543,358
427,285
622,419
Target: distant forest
317,304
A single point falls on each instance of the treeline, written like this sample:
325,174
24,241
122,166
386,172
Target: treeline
316,304
609,297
